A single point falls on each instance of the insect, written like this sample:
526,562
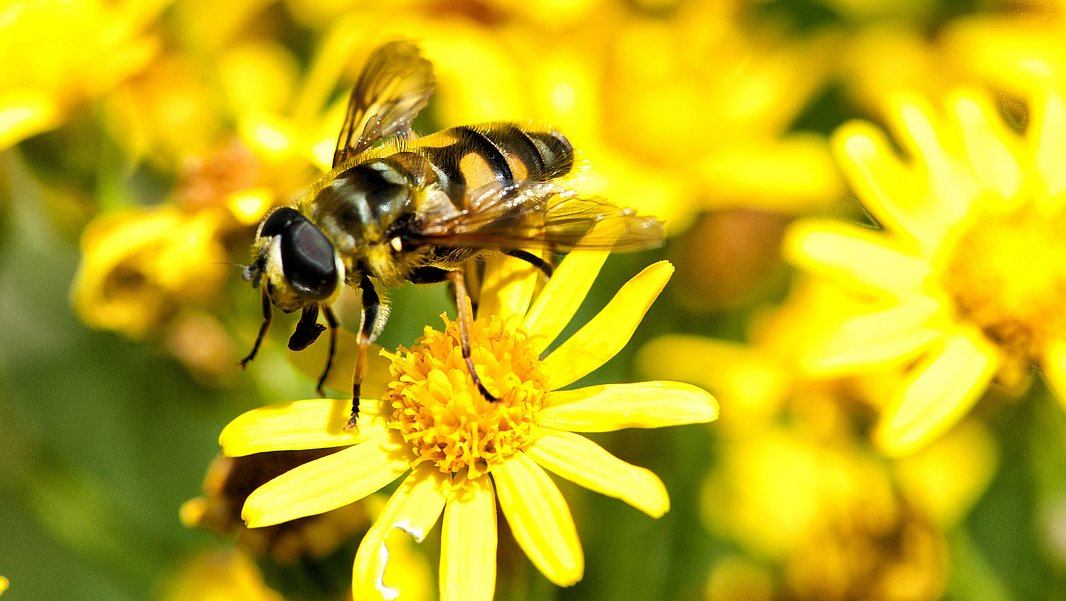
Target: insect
397,207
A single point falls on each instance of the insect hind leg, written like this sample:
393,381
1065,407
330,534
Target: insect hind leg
532,259
466,320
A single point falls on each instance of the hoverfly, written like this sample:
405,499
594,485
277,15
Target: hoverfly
396,207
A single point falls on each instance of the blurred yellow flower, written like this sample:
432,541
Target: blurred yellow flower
843,533
1014,50
139,265
228,482
219,576
147,271
4,584
61,53
967,270
465,453
855,525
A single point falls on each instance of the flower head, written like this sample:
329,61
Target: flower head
966,275
463,453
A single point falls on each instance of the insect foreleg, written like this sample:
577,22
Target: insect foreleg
268,314
331,321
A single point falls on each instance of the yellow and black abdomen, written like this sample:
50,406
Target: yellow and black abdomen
469,157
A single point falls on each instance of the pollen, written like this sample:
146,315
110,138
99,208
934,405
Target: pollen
439,411
1007,275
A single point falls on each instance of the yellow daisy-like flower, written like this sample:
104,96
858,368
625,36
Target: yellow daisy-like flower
62,53
462,453
968,272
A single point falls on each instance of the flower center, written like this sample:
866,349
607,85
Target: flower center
1007,274
439,410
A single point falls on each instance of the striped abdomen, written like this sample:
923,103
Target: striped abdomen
466,158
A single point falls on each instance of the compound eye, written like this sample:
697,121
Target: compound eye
278,221
307,259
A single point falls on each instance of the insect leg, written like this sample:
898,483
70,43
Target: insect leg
466,320
371,306
532,259
268,314
331,321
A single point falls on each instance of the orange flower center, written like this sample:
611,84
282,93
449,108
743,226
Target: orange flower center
1007,274
442,415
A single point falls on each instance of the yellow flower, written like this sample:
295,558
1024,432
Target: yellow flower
67,52
219,576
4,583
965,277
463,453
226,486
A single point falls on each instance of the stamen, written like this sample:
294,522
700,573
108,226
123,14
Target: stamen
442,415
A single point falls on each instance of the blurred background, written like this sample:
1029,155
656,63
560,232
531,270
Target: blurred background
142,141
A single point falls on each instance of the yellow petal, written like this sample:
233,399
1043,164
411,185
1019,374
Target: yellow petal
926,138
991,148
858,257
639,405
1048,129
413,508
606,333
507,287
540,519
586,463
326,483
876,339
940,390
309,424
25,113
468,545
894,194
556,304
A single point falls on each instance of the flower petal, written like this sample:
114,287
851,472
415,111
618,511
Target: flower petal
990,147
413,508
926,138
893,193
639,405
540,519
468,545
556,304
310,424
606,333
1048,130
326,483
863,341
939,391
507,287
858,257
586,463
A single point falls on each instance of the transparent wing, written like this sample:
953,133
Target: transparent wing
540,215
393,88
